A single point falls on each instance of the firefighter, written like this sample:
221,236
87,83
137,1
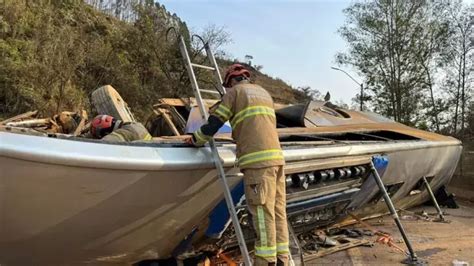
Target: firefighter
107,128
249,108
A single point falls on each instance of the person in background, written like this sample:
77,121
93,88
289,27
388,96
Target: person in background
108,128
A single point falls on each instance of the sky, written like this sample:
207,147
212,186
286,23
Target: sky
295,40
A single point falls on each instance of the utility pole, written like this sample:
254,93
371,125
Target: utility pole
361,98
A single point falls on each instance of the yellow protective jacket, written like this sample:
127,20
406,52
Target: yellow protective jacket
129,131
249,108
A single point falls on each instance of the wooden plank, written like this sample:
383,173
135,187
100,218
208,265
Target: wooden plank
171,101
54,127
168,121
86,127
29,131
19,117
340,247
82,123
207,102
30,123
350,221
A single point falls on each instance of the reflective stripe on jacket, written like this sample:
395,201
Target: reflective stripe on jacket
249,108
129,131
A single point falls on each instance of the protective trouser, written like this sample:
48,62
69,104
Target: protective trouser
265,193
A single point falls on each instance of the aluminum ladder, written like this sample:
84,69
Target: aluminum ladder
215,154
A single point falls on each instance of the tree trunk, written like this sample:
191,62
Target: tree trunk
60,97
463,84
456,112
435,110
393,86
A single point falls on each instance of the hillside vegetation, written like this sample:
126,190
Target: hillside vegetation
53,54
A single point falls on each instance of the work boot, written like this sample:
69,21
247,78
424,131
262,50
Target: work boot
282,261
262,262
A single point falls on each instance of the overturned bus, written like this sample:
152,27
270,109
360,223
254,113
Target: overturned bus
71,199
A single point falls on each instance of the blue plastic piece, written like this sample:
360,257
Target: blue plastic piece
219,218
380,161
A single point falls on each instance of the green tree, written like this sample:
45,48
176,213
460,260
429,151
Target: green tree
459,63
308,94
393,44
53,54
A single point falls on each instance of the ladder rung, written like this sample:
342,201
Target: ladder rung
209,91
201,66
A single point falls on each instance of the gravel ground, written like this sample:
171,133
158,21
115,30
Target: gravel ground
436,243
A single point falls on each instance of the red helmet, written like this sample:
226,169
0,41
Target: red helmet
102,125
233,71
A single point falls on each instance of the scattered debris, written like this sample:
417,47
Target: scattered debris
387,239
31,123
415,216
82,124
460,263
20,117
320,243
353,232
352,221
226,259
166,119
205,262
423,216
65,122
341,246
106,100
446,199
